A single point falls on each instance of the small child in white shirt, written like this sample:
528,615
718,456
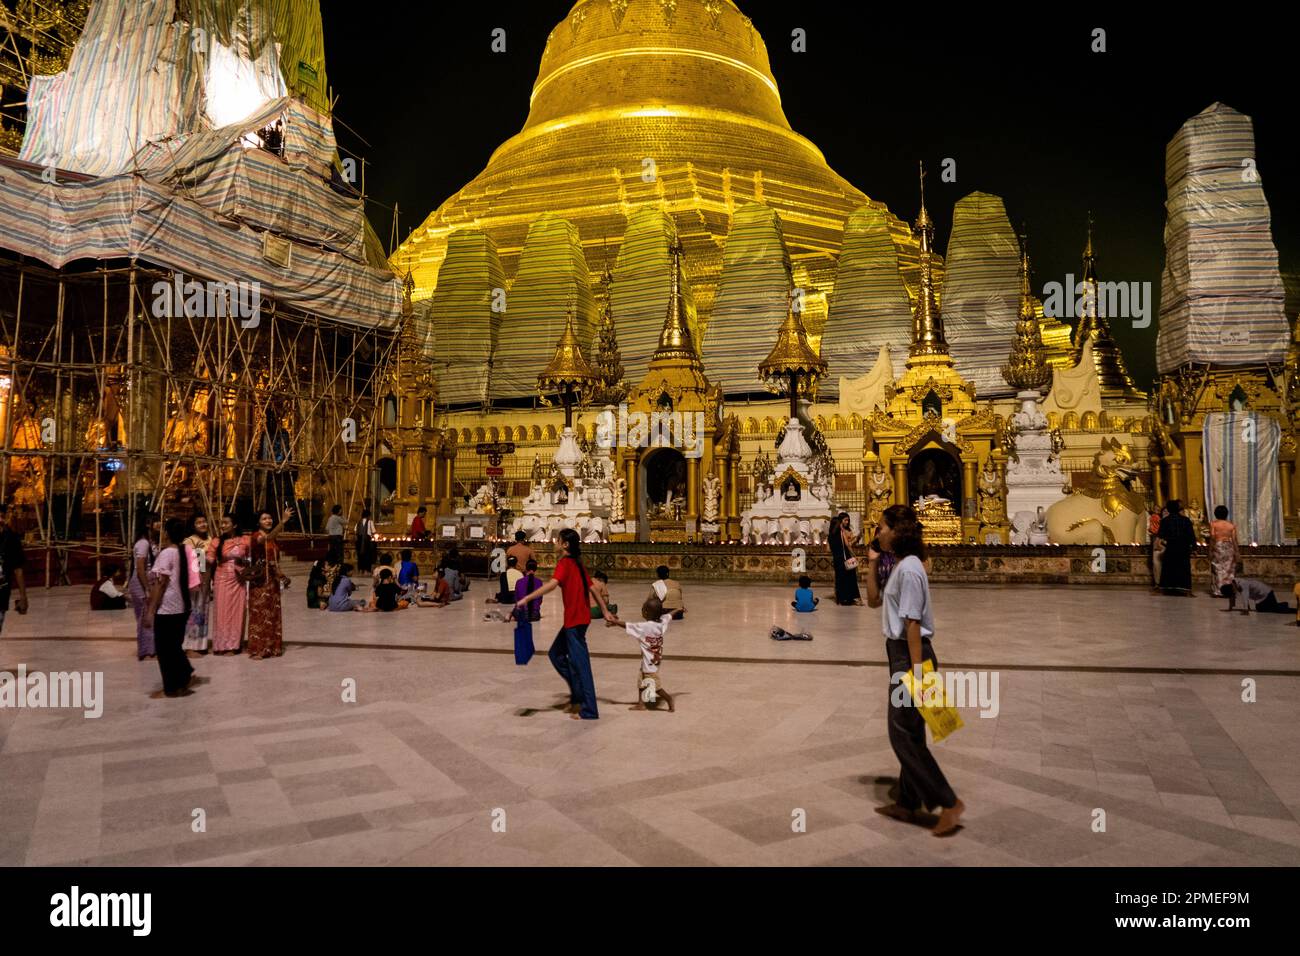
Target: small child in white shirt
649,634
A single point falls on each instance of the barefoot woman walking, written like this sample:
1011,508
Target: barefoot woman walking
569,653
908,623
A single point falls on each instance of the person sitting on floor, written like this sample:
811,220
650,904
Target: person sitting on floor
341,599
1252,591
669,593
388,594
408,575
600,585
803,596
442,595
317,581
109,592
507,580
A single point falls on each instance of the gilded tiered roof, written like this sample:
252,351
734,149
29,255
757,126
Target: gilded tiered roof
1093,324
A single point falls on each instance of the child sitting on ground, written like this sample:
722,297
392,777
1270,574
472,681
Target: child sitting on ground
600,585
803,596
650,635
387,594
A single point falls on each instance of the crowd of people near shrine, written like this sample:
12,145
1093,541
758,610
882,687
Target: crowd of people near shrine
195,593
1174,540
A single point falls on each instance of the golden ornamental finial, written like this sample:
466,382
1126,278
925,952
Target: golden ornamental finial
1026,367
567,368
792,360
675,338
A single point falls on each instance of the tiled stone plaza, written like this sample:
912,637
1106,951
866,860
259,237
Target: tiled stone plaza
1110,699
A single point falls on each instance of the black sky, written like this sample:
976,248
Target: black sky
1018,100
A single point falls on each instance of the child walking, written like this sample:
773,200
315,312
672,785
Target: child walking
649,634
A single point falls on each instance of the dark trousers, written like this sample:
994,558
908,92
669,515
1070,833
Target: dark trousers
335,553
1271,604
168,635
920,781
571,660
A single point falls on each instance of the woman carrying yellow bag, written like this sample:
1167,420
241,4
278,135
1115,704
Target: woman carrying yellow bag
908,624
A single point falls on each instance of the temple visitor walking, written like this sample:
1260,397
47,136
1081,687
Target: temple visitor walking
143,553
1176,556
265,622
1224,553
334,527
226,555
197,641
840,541
12,564
569,655
907,621
168,609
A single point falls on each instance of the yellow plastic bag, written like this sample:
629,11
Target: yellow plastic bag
939,714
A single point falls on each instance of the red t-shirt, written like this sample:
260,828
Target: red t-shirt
577,611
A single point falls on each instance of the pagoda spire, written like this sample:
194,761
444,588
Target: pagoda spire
927,322
675,338
1112,374
609,388
1026,368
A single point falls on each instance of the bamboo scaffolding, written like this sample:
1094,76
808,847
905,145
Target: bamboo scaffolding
194,396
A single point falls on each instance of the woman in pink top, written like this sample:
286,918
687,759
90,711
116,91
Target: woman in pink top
1223,552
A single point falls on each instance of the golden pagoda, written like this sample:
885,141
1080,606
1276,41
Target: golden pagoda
1093,325
641,108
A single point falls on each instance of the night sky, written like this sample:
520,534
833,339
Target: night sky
1020,102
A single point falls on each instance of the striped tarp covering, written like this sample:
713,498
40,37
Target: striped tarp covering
133,77
465,329
869,307
120,216
1221,295
147,70
639,293
752,301
1240,452
289,196
552,278
285,34
981,292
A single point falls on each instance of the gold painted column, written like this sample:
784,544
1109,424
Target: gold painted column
1287,476
733,486
1174,471
692,488
969,496
900,481
631,511
1157,483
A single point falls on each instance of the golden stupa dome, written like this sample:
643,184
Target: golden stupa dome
641,108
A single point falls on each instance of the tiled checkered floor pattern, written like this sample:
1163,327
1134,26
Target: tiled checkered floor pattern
1109,700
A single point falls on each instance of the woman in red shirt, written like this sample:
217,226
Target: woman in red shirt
568,652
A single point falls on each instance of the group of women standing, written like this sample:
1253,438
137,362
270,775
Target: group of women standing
232,589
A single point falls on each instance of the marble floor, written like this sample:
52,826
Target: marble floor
1109,700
